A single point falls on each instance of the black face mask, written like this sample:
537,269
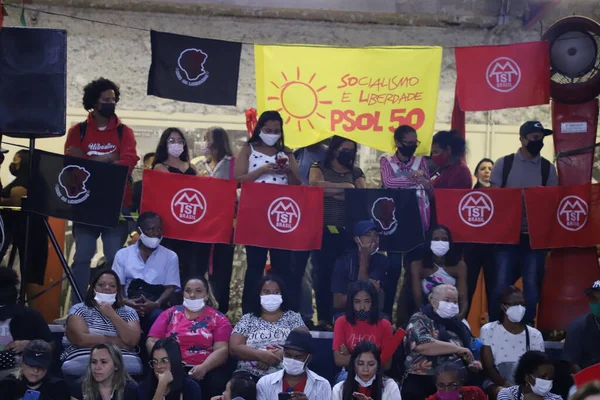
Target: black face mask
346,158
535,146
12,168
107,110
407,151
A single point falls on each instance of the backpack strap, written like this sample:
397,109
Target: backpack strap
545,171
82,130
508,163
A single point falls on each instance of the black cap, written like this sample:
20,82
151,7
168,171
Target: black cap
533,126
299,340
595,286
39,359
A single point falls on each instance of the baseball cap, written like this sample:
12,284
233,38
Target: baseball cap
39,359
533,126
299,340
595,286
364,227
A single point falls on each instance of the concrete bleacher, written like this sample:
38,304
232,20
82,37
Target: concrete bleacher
322,362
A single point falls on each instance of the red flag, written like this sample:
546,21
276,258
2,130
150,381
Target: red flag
498,77
563,216
458,120
192,208
280,216
480,216
586,375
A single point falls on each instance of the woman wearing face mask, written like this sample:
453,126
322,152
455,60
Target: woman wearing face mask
449,379
483,172
33,375
361,320
447,152
168,379
335,174
533,379
257,339
265,159
102,317
404,170
440,266
202,333
435,336
505,341
366,379
105,376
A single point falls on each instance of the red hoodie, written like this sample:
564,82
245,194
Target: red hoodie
97,142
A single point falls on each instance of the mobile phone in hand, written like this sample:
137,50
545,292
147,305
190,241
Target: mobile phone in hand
282,161
284,396
31,395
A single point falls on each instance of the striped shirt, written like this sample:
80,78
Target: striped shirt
395,174
97,324
512,393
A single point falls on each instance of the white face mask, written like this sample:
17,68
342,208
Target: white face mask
515,313
365,383
440,247
150,242
175,149
447,310
105,298
271,302
269,138
293,367
194,305
542,387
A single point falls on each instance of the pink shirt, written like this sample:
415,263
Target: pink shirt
195,337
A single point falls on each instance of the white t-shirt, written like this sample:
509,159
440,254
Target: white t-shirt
507,347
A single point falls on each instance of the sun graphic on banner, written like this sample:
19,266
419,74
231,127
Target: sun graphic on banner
292,90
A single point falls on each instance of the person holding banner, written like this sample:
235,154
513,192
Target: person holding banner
265,159
403,170
335,174
104,138
447,152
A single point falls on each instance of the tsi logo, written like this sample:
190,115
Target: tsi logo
572,213
188,206
503,74
476,209
284,215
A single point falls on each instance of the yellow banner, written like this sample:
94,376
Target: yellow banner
363,94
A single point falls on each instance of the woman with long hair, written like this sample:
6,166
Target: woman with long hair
440,266
361,320
257,339
173,155
105,377
447,151
366,379
336,173
219,162
265,159
168,379
202,333
533,379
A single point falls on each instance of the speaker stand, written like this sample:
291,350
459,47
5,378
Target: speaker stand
51,236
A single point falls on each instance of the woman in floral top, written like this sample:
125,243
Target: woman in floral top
435,336
202,333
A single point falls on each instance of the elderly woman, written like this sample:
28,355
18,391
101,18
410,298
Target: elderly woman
102,317
449,379
435,336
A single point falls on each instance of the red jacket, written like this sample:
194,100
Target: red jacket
97,142
468,393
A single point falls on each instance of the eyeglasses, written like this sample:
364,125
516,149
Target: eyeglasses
447,388
162,361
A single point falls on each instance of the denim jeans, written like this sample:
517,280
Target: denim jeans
86,237
513,262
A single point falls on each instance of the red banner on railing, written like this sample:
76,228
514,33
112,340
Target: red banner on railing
280,216
563,216
481,216
196,209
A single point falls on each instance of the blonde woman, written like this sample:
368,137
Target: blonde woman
105,377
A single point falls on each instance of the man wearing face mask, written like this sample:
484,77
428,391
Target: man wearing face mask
104,138
523,169
295,378
361,264
149,272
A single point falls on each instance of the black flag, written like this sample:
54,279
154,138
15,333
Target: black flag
187,68
395,213
76,189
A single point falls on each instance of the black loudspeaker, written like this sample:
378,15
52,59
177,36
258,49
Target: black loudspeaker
33,87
